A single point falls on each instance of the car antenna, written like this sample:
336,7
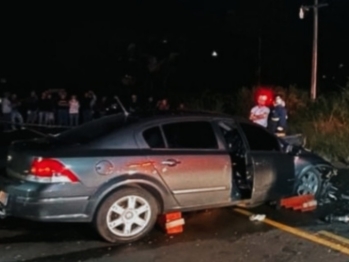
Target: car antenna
122,106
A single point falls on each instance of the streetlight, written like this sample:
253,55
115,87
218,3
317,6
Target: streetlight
302,11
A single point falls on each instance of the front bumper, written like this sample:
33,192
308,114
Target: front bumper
43,202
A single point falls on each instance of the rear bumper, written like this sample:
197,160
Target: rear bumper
50,209
41,202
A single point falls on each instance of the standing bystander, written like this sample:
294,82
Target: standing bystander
16,115
42,108
260,112
87,106
6,110
163,105
74,111
278,116
50,115
32,108
63,107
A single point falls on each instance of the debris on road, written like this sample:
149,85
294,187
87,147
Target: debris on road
332,218
257,217
338,197
329,193
345,197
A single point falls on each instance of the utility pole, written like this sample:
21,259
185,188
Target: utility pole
315,52
315,7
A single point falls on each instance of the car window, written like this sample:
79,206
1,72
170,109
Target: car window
190,135
260,139
93,130
232,138
154,138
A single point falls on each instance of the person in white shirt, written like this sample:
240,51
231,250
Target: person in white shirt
259,113
74,111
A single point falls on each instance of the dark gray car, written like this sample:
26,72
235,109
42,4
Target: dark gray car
120,172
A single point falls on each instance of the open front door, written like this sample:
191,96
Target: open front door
271,170
273,175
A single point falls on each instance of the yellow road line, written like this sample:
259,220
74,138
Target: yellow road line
299,233
334,236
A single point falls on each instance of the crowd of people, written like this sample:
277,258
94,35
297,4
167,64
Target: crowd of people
56,107
273,117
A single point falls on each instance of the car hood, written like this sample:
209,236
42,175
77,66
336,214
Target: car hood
303,154
312,157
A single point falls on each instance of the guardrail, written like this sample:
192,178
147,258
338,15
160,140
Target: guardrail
29,125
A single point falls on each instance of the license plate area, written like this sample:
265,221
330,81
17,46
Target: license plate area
3,198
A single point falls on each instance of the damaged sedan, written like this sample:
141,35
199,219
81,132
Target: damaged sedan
121,171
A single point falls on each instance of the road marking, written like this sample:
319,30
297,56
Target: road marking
343,240
299,233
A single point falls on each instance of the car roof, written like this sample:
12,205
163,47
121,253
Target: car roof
160,115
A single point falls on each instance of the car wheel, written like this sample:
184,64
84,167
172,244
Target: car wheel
126,216
308,182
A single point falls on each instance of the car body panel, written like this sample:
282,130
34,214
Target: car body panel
273,175
153,183
305,159
198,178
45,202
272,172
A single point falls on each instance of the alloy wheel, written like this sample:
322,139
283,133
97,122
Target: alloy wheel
128,216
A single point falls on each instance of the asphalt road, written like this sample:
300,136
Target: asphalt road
211,235
214,235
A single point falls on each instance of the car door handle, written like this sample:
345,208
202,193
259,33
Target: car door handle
170,162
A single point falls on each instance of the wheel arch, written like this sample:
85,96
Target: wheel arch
160,193
324,168
325,172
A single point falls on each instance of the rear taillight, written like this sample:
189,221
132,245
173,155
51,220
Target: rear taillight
50,171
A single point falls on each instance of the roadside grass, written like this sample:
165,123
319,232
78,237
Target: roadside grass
324,123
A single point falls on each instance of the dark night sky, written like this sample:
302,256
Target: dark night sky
43,47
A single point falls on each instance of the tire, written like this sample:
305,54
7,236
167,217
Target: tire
126,215
309,181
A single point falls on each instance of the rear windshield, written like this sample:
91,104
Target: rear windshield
94,130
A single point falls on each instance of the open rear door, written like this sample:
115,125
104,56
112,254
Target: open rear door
273,175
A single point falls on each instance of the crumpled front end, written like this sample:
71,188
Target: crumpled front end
328,191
